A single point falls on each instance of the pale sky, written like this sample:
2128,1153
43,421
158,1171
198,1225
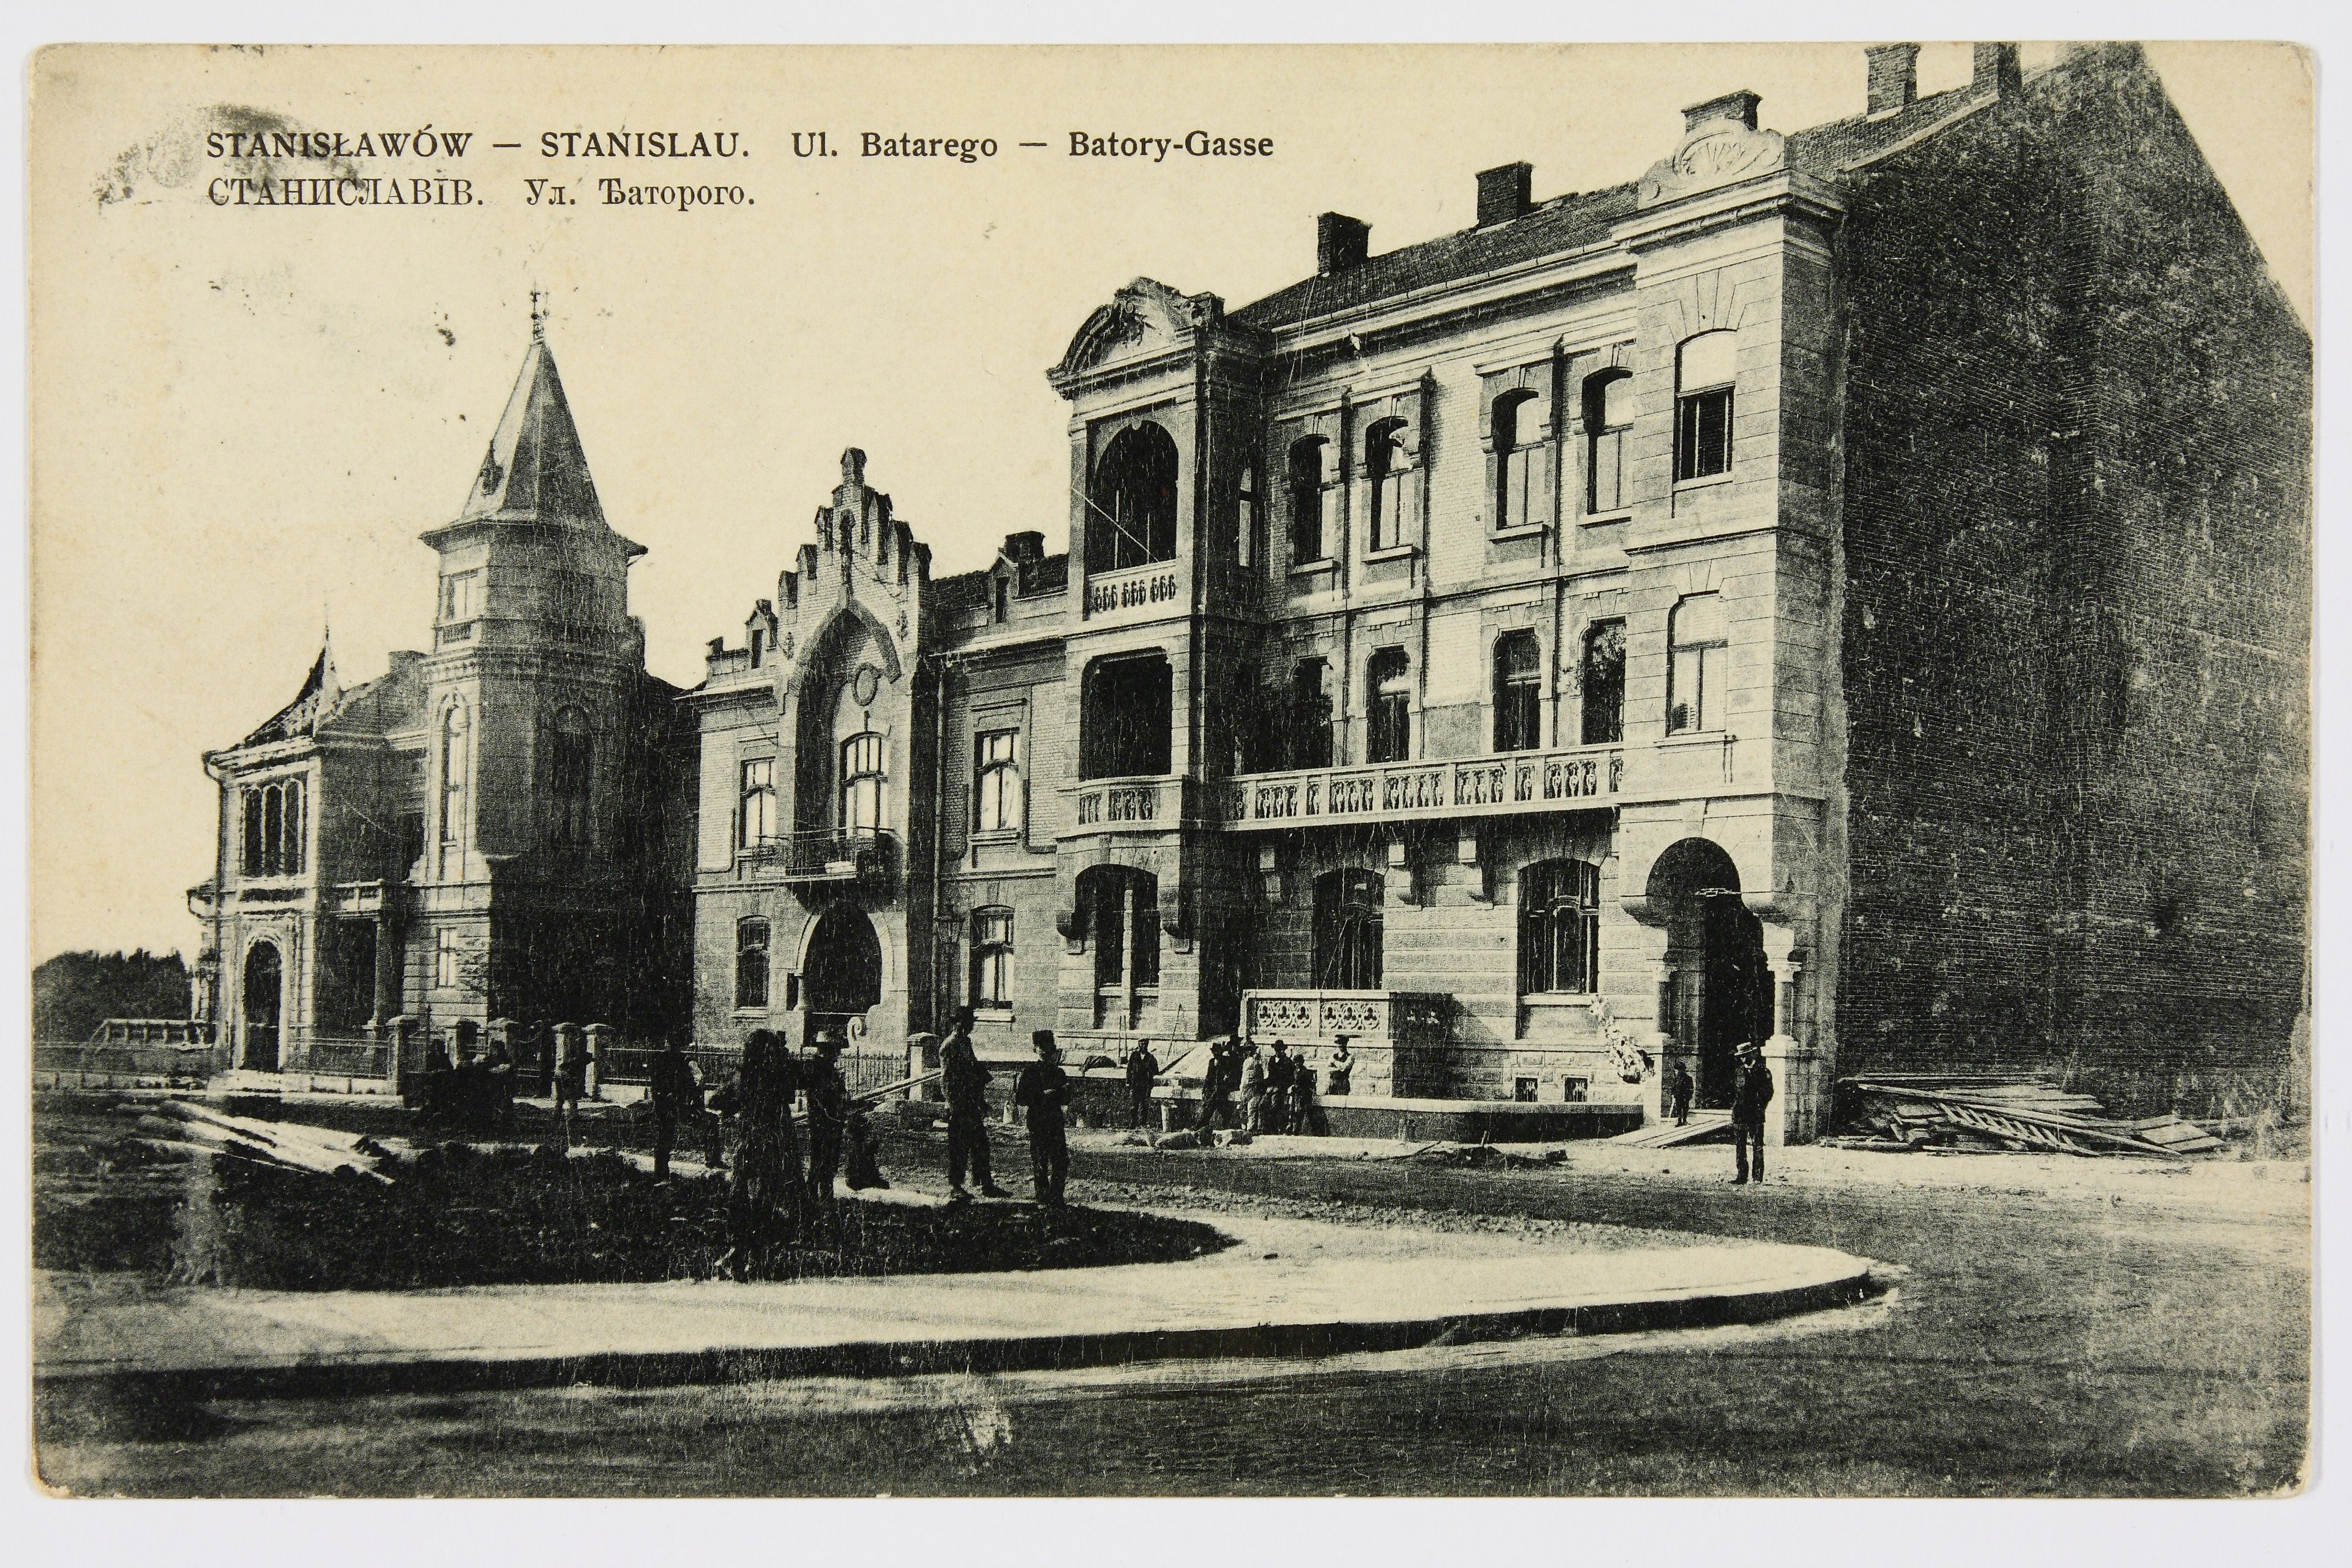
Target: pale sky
244,419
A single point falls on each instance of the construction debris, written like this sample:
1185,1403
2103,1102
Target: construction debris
1486,1156
1914,1111
1703,1127
186,1126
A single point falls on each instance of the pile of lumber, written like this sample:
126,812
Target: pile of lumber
1918,1111
188,1126
1703,1127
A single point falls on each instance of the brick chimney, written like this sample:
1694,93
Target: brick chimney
1503,194
1894,77
1340,242
1740,107
1998,72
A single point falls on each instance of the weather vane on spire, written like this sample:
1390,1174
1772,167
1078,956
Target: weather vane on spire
538,315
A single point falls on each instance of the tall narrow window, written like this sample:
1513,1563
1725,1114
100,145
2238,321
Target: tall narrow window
1389,732
756,815
1131,502
447,970
453,764
1518,692
1559,927
992,957
758,645
273,837
1697,664
571,764
996,781
1001,594
751,962
1348,930
461,596
1310,716
1389,472
1310,535
1608,414
1122,918
862,782
1522,479
1704,370
256,832
1604,683
1249,515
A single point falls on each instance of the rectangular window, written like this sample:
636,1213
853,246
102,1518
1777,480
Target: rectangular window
996,781
1310,717
861,783
1518,692
570,762
1522,1090
1604,684
1389,737
756,806
1705,368
1608,414
1697,665
751,963
461,596
1573,1089
992,957
447,973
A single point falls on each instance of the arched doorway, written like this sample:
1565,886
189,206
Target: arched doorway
1721,984
265,974
841,974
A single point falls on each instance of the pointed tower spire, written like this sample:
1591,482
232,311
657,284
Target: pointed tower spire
535,470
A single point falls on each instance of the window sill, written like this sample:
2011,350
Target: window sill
1393,552
1311,568
992,1015
1558,998
1708,482
1603,519
1524,531
1697,738
996,835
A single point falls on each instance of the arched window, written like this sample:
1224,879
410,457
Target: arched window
1522,474
1608,414
1121,914
1389,732
1310,538
755,815
1604,683
1697,665
1131,509
1125,718
1518,692
1559,927
996,781
1310,716
570,767
273,836
1249,515
751,962
1388,470
863,779
453,764
1347,936
1705,368
991,956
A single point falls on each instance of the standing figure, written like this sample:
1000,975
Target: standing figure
965,1083
571,1079
1216,1085
1142,1072
1252,1086
764,1195
828,1113
1281,1089
1751,1091
1343,1068
1044,1090
1678,1094
674,1095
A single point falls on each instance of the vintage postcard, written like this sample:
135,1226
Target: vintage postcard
1032,771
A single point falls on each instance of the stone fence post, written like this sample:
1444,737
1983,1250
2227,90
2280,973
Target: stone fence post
404,1029
599,1037
566,1041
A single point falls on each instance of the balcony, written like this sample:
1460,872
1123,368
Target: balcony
1567,780
1130,805
1155,586
867,855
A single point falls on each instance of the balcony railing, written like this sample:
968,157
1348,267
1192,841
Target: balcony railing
868,855
1395,1037
1390,791
1131,805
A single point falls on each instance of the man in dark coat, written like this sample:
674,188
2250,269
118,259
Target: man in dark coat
1281,1112
1751,1091
965,1083
828,1113
1217,1085
676,1095
1142,1072
765,1193
1678,1094
1044,1090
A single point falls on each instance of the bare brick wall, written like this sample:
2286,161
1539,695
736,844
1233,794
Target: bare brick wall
2077,607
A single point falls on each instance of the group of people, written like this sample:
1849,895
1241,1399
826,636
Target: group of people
1275,1092
1042,1090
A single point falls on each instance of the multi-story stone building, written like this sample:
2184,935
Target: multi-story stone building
1847,588
492,830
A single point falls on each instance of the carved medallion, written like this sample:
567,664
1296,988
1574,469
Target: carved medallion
865,684
1716,152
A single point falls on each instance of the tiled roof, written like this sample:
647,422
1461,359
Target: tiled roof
1568,223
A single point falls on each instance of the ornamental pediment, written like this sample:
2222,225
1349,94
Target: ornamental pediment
1141,319
1713,153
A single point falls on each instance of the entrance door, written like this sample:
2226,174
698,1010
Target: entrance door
1735,991
264,977
842,977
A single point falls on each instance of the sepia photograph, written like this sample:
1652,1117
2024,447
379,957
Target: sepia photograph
1556,770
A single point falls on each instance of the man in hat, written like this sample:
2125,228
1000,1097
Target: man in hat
828,1113
1044,1090
1678,1094
1142,1072
965,1083
676,1095
1751,1091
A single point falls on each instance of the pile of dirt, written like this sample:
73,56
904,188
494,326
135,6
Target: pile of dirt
456,1216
